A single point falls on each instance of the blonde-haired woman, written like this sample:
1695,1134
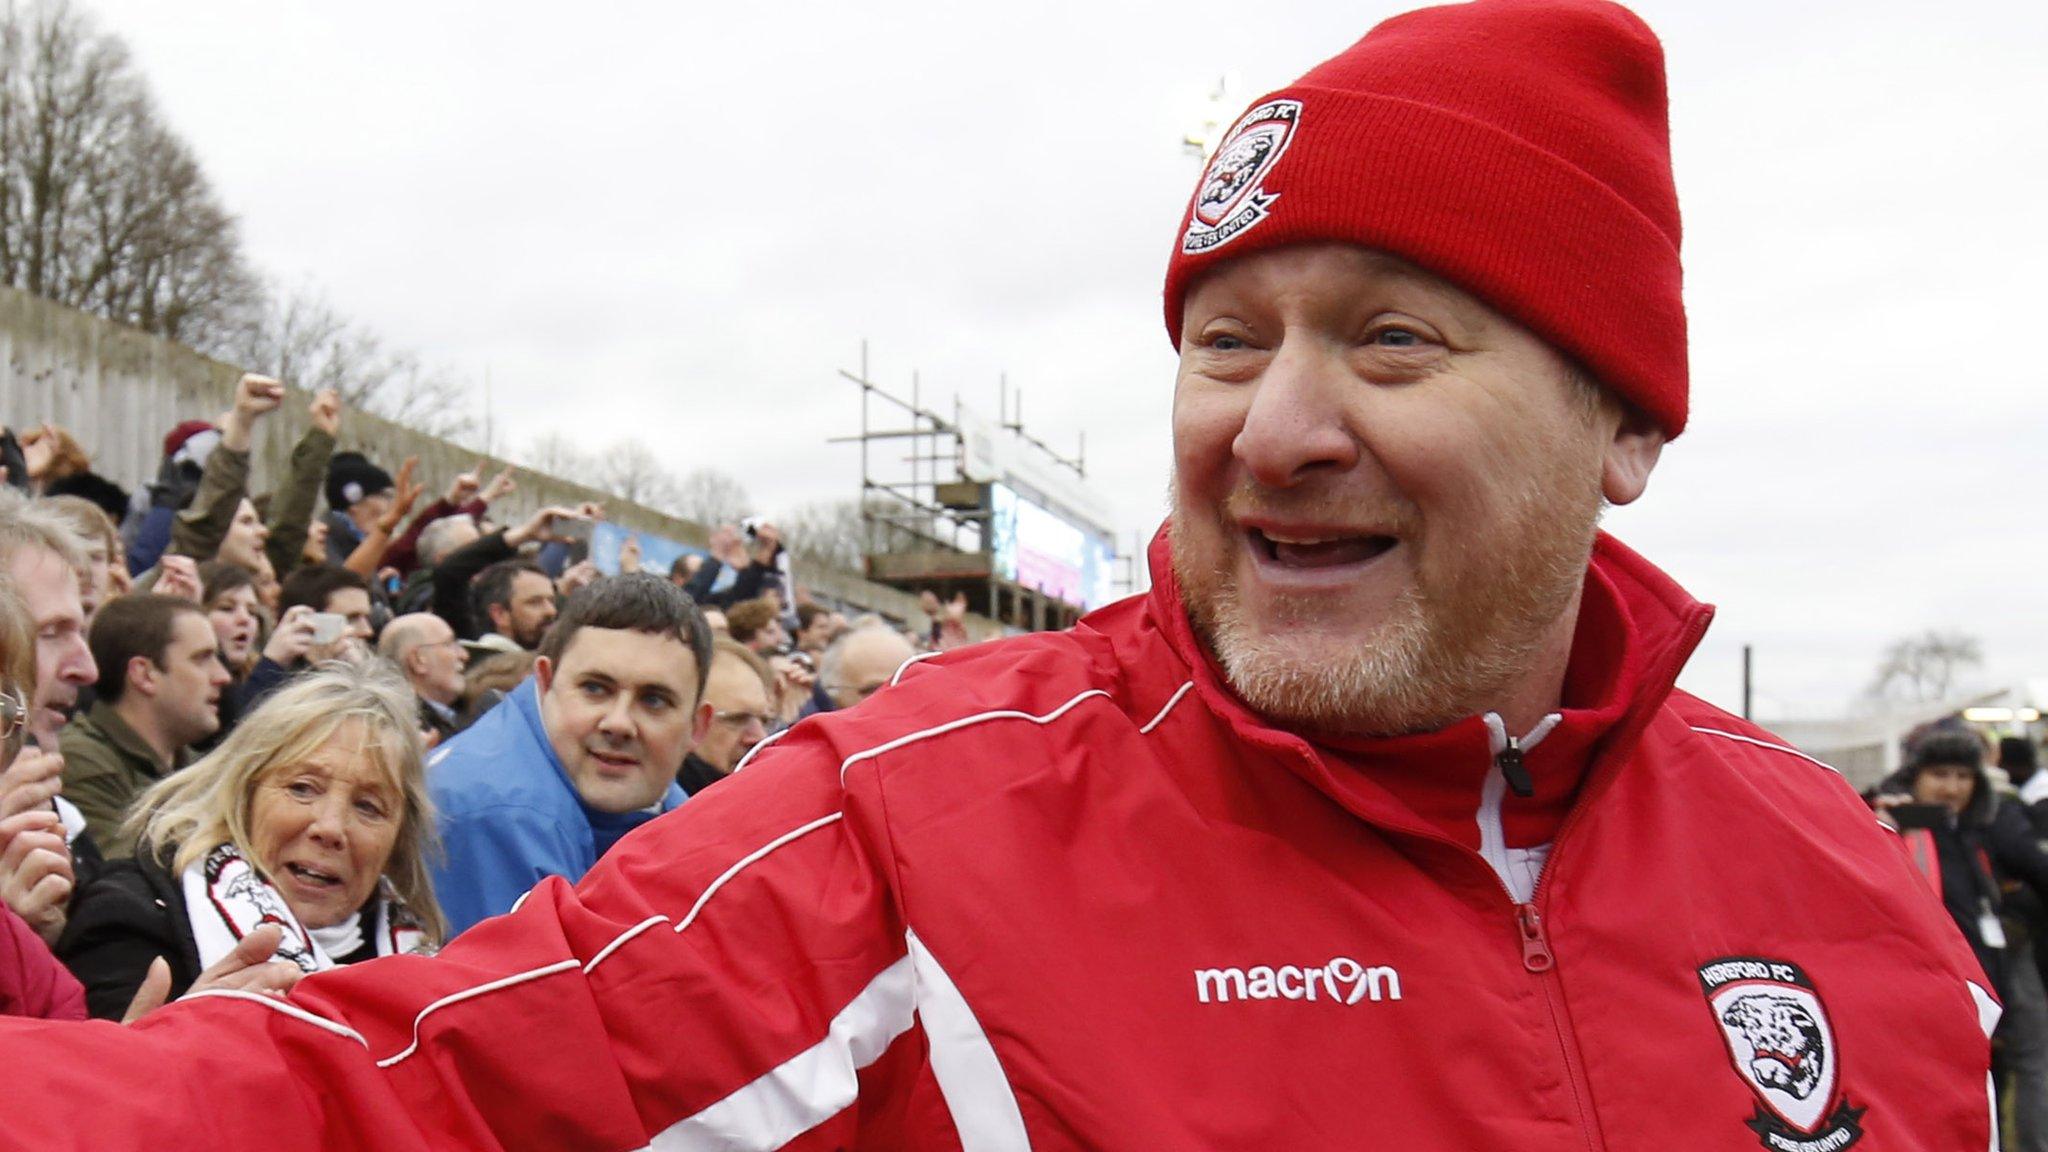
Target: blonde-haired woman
311,816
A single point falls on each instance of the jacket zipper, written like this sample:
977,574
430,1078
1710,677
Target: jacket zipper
1537,957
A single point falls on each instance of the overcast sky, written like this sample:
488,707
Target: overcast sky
676,221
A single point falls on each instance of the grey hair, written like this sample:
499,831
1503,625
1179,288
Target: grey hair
31,524
434,545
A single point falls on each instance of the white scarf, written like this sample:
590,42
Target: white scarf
226,899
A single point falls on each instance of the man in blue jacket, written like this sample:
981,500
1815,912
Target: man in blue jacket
583,752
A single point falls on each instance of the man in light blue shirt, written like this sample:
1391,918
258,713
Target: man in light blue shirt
583,752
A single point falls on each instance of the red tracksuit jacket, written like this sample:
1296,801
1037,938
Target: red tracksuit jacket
1065,892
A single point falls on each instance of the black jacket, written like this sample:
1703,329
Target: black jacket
452,577
1991,848
748,583
697,774
132,913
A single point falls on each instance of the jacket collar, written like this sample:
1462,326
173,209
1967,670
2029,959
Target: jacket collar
129,743
1635,631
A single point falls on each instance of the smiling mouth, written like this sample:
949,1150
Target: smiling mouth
1306,552
313,877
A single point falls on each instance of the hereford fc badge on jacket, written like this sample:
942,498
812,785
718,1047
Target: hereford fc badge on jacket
1784,1048
1231,198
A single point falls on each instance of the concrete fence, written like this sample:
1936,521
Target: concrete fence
119,391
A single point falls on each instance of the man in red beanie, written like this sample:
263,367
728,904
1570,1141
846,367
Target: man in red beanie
1377,823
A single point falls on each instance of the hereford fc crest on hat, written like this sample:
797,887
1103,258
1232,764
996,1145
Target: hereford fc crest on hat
1783,1047
1230,198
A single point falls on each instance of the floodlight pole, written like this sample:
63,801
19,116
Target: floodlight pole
1747,679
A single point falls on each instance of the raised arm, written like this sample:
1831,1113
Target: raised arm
291,509
224,483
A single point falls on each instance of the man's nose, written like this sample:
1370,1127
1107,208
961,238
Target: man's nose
1296,424
78,666
618,719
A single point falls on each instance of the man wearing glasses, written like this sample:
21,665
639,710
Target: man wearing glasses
425,648
738,693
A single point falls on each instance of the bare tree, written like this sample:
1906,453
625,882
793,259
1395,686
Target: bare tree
709,497
1923,668
302,339
631,471
101,207
828,533
556,455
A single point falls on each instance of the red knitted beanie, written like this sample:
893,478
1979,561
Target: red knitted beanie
1518,148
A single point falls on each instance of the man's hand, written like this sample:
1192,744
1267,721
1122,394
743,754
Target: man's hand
249,968
767,544
293,637
579,575
956,609
793,683
179,576
316,542
1885,802
465,486
408,494
35,871
544,524
629,555
326,411
254,396
501,486
39,450
31,782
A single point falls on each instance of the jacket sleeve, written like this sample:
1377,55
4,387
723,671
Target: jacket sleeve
493,856
291,509
2015,849
699,587
749,584
404,551
93,782
198,530
114,933
458,568
152,536
732,975
32,983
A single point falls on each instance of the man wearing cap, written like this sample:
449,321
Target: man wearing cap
358,495
1377,823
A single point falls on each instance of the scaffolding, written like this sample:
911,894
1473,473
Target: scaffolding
929,525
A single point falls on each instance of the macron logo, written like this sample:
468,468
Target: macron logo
1343,980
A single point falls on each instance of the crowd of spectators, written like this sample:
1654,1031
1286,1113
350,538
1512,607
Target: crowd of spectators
244,737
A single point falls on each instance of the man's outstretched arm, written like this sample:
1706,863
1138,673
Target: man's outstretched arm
736,970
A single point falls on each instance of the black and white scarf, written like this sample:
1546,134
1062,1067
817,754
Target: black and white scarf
226,898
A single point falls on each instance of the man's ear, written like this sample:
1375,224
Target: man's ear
1630,457
543,673
143,675
700,724
501,617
